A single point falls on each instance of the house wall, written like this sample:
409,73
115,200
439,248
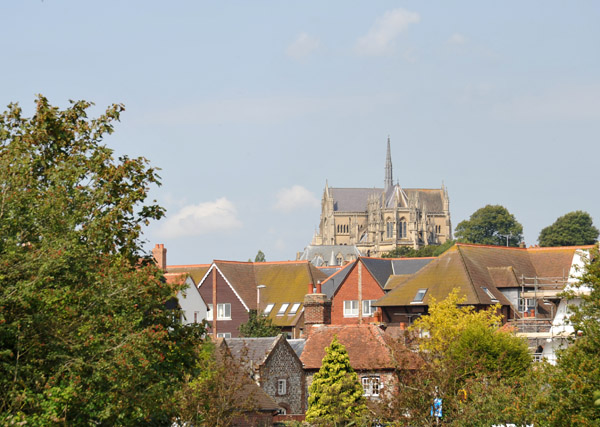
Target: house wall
348,290
284,364
225,294
194,309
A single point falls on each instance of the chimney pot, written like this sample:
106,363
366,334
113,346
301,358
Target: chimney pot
319,287
310,288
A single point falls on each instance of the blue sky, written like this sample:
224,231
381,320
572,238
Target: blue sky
249,106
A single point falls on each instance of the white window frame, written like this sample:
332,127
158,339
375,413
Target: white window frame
351,308
294,308
489,294
281,387
223,334
283,308
268,308
371,386
370,310
209,312
222,310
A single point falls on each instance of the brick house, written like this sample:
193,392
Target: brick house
274,288
374,354
275,367
354,288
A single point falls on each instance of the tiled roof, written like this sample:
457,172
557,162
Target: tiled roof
396,280
324,254
297,345
285,283
196,271
380,268
368,346
473,267
255,350
409,265
352,199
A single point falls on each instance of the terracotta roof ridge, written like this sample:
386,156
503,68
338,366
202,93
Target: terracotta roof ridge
550,248
187,265
478,245
339,271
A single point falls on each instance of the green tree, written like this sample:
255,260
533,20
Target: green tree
573,229
462,351
258,325
84,334
577,373
489,226
260,256
425,251
335,395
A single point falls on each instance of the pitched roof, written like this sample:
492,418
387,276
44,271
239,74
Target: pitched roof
355,199
285,283
255,350
324,254
352,199
297,345
383,351
474,267
196,271
333,282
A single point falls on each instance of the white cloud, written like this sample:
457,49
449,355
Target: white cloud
296,197
203,218
380,38
457,39
302,47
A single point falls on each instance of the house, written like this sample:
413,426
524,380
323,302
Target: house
275,367
274,288
193,307
355,287
526,282
374,354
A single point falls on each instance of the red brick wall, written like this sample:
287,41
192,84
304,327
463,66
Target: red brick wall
225,294
349,291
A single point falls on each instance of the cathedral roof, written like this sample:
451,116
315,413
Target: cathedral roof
356,199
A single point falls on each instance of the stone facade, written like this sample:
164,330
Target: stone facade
377,220
283,364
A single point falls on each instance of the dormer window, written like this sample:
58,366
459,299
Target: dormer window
283,309
420,295
489,294
268,309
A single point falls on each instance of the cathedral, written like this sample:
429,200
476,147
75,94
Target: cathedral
377,220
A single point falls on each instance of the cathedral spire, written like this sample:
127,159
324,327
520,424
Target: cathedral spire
388,167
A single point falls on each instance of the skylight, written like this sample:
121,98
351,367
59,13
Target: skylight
268,308
294,308
420,295
489,294
283,308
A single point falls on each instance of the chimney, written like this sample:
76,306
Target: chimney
317,308
160,256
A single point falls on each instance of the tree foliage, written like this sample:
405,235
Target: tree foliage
219,394
84,335
260,256
258,325
463,351
335,395
425,251
489,226
573,229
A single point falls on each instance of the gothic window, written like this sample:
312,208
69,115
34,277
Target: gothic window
389,229
402,229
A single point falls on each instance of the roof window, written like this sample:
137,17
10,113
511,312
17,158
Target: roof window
268,308
420,295
294,308
283,309
489,294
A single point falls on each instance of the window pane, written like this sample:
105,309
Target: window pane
283,309
294,308
268,308
420,295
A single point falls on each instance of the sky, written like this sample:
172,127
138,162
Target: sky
249,107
